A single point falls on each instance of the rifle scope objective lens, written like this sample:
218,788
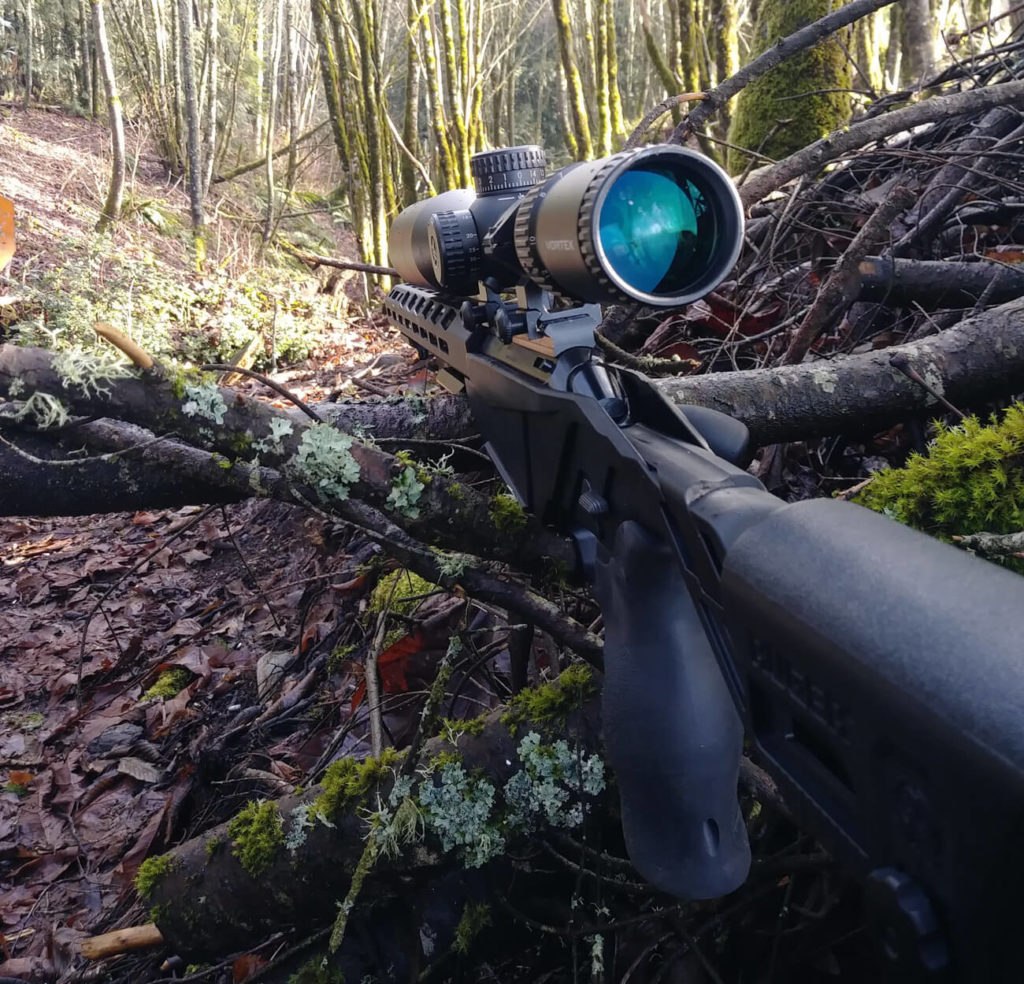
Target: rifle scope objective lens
661,225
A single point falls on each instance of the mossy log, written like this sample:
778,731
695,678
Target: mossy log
290,865
248,436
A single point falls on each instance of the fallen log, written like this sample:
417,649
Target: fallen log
978,360
331,466
384,829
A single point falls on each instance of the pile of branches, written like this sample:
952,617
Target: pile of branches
879,287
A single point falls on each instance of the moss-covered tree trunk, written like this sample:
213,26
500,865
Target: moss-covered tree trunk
809,90
575,99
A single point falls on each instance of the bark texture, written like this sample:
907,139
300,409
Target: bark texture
980,359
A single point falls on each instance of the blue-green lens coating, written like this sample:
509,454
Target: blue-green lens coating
648,229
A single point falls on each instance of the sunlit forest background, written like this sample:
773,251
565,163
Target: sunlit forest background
380,102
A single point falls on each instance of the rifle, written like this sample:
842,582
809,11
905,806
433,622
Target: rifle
876,673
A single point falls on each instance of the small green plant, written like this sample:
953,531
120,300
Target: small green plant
475,916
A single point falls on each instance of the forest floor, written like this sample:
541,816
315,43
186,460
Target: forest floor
95,772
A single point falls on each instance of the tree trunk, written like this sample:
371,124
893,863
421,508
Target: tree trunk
112,206
28,30
919,31
208,903
809,90
577,105
86,57
193,150
268,168
211,121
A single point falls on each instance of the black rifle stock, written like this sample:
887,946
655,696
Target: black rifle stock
878,673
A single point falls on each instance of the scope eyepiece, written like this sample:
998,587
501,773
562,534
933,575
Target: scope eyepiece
662,225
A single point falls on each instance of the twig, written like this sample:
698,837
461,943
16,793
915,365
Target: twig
993,544
900,362
313,260
836,144
660,110
842,286
276,387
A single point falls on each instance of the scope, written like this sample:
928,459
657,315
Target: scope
661,225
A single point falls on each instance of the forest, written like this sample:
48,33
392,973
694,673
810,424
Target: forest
297,685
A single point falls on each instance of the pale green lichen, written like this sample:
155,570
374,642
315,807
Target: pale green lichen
273,443
324,460
302,820
405,493
151,872
16,387
90,371
451,564
46,410
457,809
257,836
548,787
204,400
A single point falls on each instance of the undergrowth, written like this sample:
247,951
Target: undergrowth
173,316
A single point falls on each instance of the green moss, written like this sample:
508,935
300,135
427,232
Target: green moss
21,721
257,836
169,684
348,781
475,916
178,379
316,971
550,703
803,89
214,844
451,728
152,871
20,790
439,761
339,655
971,481
456,491
241,443
401,592
159,913
506,513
